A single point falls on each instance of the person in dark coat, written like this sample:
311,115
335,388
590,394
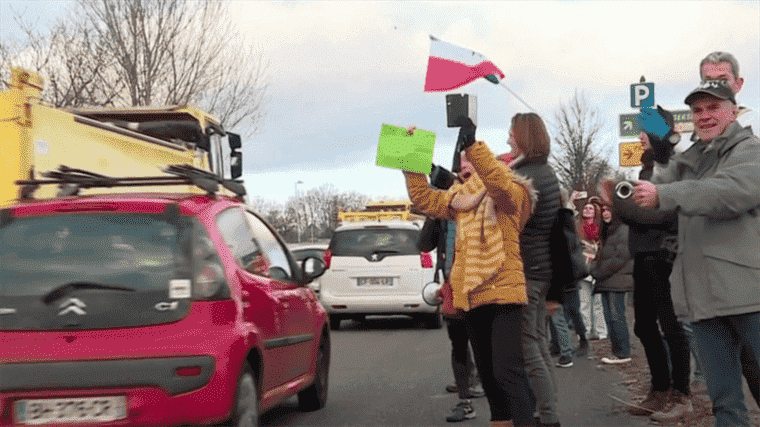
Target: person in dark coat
530,145
613,270
649,233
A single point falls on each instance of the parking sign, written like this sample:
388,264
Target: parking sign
642,95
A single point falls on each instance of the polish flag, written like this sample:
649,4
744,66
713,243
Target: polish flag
451,67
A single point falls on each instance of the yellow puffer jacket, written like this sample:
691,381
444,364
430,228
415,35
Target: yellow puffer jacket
477,276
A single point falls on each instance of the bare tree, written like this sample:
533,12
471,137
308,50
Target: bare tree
577,156
72,61
316,210
148,52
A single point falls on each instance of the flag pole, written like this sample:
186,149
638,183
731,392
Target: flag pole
515,95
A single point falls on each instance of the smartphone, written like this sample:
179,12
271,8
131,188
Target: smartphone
460,105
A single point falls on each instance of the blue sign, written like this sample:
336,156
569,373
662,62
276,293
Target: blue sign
642,95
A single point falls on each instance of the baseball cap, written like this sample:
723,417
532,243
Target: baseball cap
717,88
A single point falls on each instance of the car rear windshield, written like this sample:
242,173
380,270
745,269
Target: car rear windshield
361,242
79,271
136,252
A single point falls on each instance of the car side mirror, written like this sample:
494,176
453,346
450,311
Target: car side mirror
313,267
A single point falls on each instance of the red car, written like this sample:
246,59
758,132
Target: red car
153,309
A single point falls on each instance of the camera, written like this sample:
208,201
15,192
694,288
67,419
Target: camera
624,189
459,106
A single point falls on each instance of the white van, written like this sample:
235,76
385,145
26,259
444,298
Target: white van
375,268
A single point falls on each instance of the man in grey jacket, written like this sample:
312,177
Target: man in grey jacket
715,283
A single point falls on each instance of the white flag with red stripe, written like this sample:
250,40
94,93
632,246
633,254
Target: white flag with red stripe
451,67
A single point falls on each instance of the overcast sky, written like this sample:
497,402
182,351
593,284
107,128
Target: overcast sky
339,70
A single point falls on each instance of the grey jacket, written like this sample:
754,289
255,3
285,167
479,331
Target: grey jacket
715,188
613,266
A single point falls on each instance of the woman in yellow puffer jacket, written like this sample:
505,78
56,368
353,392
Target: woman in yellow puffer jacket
491,206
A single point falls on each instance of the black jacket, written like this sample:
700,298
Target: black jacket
534,239
648,228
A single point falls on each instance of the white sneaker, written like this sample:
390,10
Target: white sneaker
614,360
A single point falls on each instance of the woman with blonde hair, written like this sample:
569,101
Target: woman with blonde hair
491,205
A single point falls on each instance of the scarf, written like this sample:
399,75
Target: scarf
479,232
591,231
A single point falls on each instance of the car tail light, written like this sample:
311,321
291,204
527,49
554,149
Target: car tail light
209,281
326,257
426,260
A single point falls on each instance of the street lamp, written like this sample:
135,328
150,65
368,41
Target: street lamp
298,218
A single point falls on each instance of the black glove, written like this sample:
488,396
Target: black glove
661,147
466,133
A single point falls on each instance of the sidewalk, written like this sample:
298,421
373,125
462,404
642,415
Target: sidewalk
635,382
584,394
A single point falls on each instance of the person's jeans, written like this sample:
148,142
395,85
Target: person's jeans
495,336
592,313
538,362
667,353
560,333
461,361
719,341
750,364
617,325
571,305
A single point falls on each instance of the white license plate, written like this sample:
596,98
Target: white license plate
83,410
374,281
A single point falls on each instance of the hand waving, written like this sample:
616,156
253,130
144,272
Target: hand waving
652,122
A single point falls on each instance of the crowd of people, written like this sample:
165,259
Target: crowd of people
683,246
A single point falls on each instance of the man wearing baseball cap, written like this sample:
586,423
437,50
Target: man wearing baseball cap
714,186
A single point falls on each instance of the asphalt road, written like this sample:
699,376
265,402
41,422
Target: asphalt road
392,372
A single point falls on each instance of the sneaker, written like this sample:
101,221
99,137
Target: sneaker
677,406
564,362
614,360
582,348
654,402
475,391
452,388
463,411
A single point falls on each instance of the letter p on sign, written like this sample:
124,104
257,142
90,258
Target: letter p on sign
642,95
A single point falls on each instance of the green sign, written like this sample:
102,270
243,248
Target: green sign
629,126
399,150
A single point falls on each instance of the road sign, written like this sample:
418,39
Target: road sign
629,126
630,153
642,95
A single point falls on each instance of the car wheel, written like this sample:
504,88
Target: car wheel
315,396
434,321
335,322
246,401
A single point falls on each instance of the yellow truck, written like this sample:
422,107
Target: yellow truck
383,211
137,141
